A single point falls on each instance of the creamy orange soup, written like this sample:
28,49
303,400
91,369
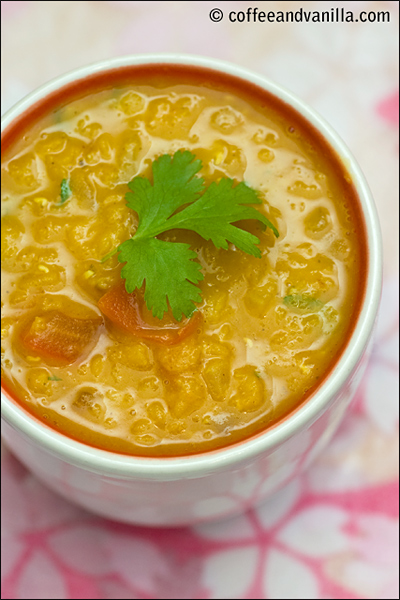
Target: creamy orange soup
268,330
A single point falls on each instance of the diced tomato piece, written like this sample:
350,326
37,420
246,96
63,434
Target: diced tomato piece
125,310
59,338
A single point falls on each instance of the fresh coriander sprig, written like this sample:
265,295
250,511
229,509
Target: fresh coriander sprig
169,268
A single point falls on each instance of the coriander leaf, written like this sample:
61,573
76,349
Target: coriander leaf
174,184
54,378
221,205
65,191
169,271
176,200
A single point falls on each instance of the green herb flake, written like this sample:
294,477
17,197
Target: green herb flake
302,302
65,191
54,378
179,199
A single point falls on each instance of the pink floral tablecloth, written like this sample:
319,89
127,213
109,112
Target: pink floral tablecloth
334,532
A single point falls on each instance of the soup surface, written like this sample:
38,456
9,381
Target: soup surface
267,329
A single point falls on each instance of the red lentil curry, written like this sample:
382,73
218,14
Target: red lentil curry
261,332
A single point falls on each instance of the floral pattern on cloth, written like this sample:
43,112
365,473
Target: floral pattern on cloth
333,533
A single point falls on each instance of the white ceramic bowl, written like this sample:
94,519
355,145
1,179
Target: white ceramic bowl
184,490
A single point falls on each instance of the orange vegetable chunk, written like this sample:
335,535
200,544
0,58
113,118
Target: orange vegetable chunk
58,337
125,311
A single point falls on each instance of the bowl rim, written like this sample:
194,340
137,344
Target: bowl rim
196,465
